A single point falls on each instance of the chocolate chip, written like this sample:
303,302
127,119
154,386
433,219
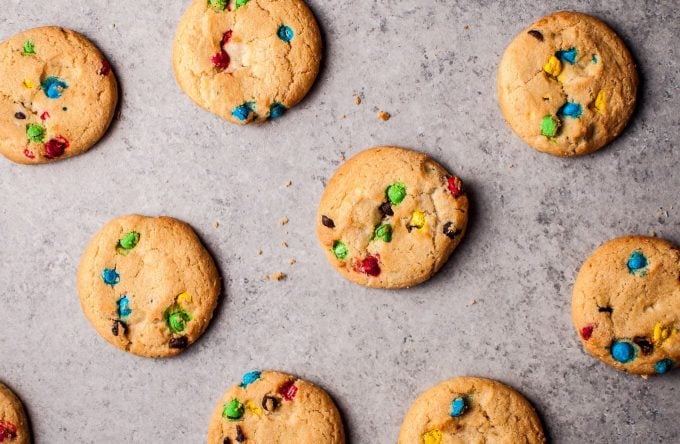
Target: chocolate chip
270,403
240,437
226,440
450,230
645,346
181,342
117,327
536,34
605,310
386,209
19,115
327,222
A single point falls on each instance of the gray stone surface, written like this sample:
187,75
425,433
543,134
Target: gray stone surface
433,66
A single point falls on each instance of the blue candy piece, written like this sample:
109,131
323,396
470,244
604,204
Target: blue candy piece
242,112
637,262
568,56
594,58
571,109
277,110
124,309
664,366
458,407
250,377
53,87
110,276
623,352
285,33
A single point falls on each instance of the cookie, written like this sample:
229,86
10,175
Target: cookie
471,410
57,95
247,61
567,84
626,305
147,285
391,217
268,407
13,422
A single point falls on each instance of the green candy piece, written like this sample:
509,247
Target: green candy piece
219,5
340,250
549,126
240,3
28,49
384,232
176,318
396,193
233,410
129,240
35,132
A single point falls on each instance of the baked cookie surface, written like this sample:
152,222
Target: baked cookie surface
274,407
58,95
626,304
391,217
247,60
567,84
148,285
471,410
13,422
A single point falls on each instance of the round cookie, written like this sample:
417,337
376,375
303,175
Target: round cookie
466,410
247,61
275,407
567,84
13,422
626,304
148,285
57,95
391,217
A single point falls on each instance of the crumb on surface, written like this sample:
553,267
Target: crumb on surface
216,224
284,221
357,100
466,27
289,184
259,252
652,233
292,261
278,276
284,244
384,116
472,302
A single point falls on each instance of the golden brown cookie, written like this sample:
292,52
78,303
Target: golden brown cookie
13,422
471,410
247,60
57,95
626,304
268,407
148,285
567,84
391,217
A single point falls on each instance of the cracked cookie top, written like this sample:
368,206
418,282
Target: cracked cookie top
148,285
57,95
567,84
13,422
247,60
275,407
626,304
471,410
390,217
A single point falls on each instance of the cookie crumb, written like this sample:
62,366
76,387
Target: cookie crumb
292,262
384,116
259,252
284,221
278,276
216,224
652,233
357,100
466,27
289,184
472,302
284,244
342,156
645,377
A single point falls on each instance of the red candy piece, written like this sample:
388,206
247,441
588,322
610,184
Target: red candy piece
7,430
587,331
370,266
44,116
55,147
455,186
105,70
221,60
288,390
28,153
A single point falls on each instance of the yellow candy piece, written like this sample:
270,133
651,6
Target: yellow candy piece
184,297
601,102
28,84
432,437
418,219
661,333
553,67
253,408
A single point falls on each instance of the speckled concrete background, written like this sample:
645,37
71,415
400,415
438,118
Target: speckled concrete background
433,66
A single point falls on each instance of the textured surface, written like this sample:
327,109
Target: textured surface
534,220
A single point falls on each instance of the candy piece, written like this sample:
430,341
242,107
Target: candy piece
285,33
536,34
105,69
370,266
386,209
568,56
19,115
218,5
129,240
184,297
661,333
110,276
646,347
53,87
571,109
7,430
233,410
250,377
340,250
28,153
253,408
242,112
44,116
181,342
455,186
396,193
553,66
417,220
176,318
221,60
432,437
327,222
637,262
288,390
458,406
277,110
601,102
594,59
124,309
28,48
28,84
383,232
623,352
240,437
587,332
549,126
117,326
56,147
240,3
270,403
450,230
664,366
35,132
